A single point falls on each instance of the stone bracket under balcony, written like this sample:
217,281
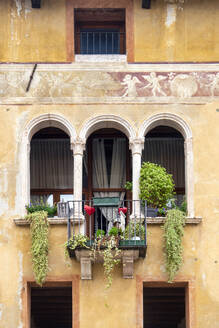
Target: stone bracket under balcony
127,256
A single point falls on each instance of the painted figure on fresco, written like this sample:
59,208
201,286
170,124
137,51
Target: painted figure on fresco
130,83
154,83
214,84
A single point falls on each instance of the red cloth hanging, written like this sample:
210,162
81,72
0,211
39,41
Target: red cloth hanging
123,210
89,210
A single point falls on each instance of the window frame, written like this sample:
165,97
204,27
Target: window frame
71,5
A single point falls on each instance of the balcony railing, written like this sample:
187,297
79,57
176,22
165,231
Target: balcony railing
100,215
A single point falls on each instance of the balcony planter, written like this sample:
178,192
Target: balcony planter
132,243
151,212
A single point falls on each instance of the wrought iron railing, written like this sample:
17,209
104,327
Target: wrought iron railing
100,215
101,42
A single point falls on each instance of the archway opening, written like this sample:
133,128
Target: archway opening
164,145
51,166
107,165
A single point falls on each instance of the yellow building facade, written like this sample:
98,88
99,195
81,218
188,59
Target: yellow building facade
154,74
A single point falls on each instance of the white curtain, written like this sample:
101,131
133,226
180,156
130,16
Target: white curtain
117,174
51,164
168,152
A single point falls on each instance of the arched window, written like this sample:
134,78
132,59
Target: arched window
51,166
164,145
177,128
40,128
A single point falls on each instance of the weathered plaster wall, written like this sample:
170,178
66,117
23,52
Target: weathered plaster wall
119,304
171,32
28,35
167,32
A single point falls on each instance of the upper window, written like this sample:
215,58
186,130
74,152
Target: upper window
100,31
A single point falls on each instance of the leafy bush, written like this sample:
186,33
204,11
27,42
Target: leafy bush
156,185
128,185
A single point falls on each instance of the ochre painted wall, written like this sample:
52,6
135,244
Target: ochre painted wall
119,303
165,33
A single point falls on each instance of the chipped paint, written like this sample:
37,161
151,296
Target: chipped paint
1,310
20,284
3,206
171,14
4,180
27,7
18,6
204,279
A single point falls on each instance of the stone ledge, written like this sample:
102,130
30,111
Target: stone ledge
161,220
52,221
127,259
63,221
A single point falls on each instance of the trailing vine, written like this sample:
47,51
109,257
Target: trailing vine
105,245
74,242
173,233
39,244
110,259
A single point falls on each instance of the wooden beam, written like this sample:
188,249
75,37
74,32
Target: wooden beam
146,4
36,3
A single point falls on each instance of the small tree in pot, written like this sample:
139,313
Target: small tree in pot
156,186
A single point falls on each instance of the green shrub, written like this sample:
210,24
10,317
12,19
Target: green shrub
156,185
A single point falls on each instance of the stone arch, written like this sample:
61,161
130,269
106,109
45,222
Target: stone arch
167,119
47,120
37,123
179,124
107,121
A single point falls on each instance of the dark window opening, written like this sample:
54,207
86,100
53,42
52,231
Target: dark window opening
164,307
51,166
51,307
165,146
100,31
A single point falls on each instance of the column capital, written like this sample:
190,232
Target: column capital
136,145
78,146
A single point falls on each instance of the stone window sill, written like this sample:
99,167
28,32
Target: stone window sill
63,221
52,221
100,58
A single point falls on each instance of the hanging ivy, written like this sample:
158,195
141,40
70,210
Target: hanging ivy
110,259
107,246
39,244
173,233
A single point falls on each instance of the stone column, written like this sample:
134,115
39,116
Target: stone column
78,147
24,178
136,146
189,177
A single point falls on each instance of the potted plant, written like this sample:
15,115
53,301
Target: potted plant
156,187
42,206
134,234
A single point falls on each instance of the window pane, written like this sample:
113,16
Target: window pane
66,197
